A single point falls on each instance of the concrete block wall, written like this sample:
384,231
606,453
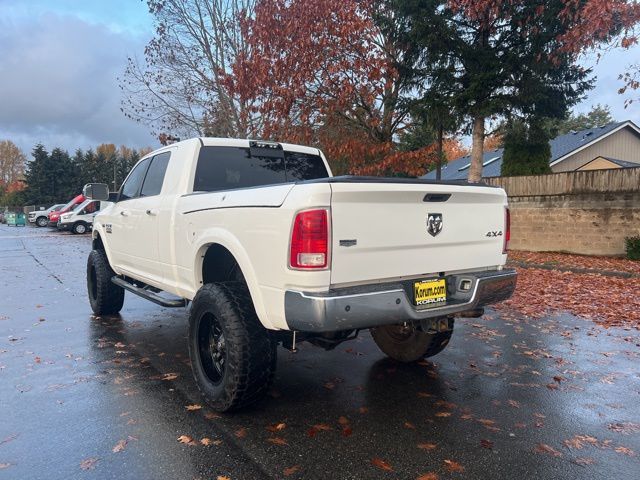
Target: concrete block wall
586,212
588,224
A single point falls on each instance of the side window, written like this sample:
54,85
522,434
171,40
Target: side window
90,208
131,186
155,175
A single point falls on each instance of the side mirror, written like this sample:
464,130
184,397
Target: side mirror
96,191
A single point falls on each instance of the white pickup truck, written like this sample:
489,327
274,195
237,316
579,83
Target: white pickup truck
268,248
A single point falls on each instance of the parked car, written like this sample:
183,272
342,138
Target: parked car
73,203
270,249
41,217
80,220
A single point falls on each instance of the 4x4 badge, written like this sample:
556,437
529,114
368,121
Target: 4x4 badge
434,223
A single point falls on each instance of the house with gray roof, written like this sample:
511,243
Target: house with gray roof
616,145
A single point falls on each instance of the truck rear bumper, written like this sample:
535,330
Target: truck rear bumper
385,304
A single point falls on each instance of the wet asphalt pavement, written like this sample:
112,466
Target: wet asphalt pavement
85,397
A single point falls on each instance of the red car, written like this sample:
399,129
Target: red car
55,216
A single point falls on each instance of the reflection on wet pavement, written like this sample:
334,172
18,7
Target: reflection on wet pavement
109,397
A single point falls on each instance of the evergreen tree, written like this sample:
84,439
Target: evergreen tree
493,58
598,115
526,149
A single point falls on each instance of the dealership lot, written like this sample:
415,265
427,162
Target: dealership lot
85,397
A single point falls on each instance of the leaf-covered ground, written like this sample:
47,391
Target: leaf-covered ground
604,289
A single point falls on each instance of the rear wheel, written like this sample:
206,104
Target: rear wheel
407,343
42,221
105,297
233,357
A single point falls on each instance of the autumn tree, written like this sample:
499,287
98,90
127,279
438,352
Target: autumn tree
329,76
631,83
12,163
177,87
498,57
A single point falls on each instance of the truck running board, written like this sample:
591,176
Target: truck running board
144,293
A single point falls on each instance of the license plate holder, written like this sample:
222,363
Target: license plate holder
430,293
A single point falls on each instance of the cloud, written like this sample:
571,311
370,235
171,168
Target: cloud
606,71
58,83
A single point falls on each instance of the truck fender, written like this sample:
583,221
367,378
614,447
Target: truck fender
98,233
233,245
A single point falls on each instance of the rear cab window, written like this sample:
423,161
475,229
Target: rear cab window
227,168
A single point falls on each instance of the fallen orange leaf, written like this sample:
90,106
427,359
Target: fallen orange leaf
381,464
241,432
186,439
427,446
428,476
119,446
88,463
277,427
452,466
544,448
277,441
291,470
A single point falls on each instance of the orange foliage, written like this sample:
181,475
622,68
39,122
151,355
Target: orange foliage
453,149
325,70
16,186
588,23
491,142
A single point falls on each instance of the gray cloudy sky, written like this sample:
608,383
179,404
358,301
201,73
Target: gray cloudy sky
58,72
60,60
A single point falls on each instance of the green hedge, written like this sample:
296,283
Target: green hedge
632,246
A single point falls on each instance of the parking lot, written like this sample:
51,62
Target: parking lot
87,397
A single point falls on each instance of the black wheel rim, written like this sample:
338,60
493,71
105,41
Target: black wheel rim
93,282
212,347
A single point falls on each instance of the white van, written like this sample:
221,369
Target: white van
80,219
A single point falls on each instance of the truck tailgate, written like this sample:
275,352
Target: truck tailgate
380,230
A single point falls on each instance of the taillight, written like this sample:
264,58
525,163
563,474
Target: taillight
310,240
507,230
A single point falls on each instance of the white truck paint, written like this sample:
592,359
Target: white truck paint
383,238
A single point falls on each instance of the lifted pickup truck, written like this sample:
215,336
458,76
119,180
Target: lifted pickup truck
269,248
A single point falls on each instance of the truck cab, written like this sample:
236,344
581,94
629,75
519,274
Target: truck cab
268,248
54,216
80,219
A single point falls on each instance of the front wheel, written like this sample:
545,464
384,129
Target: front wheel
233,357
406,343
42,221
79,228
105,297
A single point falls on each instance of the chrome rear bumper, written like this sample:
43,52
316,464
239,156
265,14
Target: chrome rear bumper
374,305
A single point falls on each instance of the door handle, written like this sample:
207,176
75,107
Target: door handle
124,213
152,212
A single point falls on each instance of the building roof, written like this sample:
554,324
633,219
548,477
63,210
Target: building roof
561,147
621,163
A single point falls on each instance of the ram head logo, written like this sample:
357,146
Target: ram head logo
434,223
